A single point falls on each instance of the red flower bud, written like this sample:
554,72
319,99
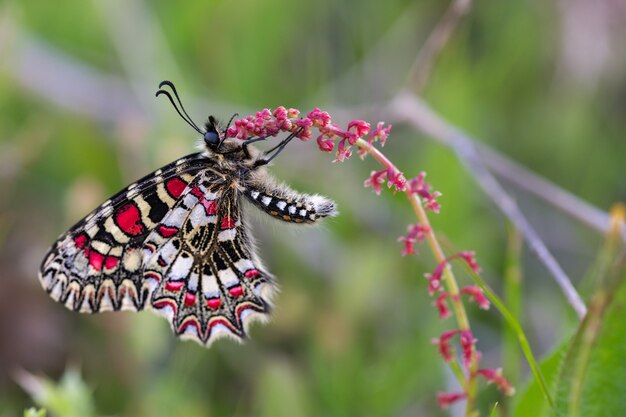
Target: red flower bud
446,399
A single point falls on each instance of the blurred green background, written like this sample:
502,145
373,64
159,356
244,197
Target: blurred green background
540,81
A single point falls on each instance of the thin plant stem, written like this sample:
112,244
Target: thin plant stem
469,382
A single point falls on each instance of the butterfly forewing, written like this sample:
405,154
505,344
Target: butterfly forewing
97,265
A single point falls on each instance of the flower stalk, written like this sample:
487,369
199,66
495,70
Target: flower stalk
442,283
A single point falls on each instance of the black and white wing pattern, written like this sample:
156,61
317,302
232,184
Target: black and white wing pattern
200,266
98,264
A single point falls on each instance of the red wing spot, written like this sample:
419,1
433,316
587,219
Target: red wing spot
161,261
175,186
227,223
167,231
223,321
190,299
152,275
81,240
128,219
243,307
110,262
174,285
236,291
251,273
164,303
187,323
210,207
95,260
197,192
213,303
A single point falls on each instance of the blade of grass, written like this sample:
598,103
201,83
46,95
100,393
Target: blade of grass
513,299
493,410
519,333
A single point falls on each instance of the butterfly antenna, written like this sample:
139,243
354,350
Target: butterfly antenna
231,120
226,129
186,116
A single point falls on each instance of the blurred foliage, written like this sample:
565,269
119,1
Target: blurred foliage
70,397
33,412
353,323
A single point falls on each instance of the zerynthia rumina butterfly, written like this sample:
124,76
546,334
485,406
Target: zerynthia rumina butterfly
176,241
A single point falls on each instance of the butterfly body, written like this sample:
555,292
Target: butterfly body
176,242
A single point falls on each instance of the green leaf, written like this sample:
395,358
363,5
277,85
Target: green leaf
517,330
531,400
593,374
70,397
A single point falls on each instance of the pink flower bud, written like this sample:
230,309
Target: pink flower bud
319,118
343,152
381,133
417,233
396,179
446,399
430,202
443,344
467,342
280,113
470,258
495,376
375,180
361,127
434,279
326,145
477,295
442,305
409,245
418,186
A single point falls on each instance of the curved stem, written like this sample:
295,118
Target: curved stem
449,280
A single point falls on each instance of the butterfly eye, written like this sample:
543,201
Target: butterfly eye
211,138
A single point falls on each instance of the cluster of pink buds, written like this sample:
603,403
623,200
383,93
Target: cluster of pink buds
467,341
420,187
398,181
417,233
271,123
434,278
393,177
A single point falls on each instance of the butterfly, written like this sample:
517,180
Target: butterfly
176,241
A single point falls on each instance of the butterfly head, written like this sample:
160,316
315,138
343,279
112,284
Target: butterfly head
213,137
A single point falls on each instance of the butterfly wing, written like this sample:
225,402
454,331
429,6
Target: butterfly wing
98,264
201,268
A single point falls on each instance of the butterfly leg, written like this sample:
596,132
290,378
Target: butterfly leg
278,148
248,142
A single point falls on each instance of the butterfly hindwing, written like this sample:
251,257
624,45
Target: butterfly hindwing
97,265
201,268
